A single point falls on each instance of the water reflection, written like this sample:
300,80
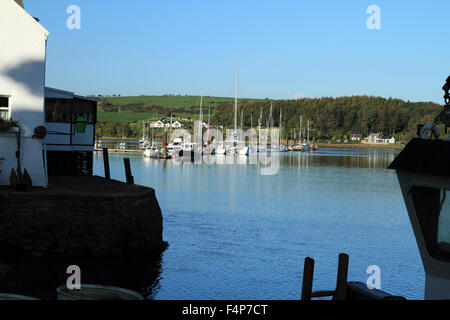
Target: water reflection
235,234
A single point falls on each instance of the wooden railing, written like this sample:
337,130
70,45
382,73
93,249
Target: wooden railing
344,290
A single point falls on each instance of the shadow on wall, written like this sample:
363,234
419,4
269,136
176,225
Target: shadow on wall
30,74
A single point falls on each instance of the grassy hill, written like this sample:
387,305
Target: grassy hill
131,109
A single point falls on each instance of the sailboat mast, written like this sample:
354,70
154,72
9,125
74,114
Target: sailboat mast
201,116
236,97
300,134
209,121
308,133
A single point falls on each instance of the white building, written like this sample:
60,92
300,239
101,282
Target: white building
22,79
379,138
157,124
177,125
70,121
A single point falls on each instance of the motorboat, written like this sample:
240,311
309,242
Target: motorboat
152,151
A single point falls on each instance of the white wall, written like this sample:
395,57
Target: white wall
22,76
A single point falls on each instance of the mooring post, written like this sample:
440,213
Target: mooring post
130,178
106,164
341,285
308,276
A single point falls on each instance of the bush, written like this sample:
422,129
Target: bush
6,125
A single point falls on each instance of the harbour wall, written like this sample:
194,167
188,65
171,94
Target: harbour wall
81,217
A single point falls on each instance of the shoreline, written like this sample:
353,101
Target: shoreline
362,146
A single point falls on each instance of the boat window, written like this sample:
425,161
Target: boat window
444,222
433,211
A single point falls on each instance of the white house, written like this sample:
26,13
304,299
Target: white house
177,125
379,138
356,137
23,43
157,124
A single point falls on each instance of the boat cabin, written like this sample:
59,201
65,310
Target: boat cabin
70,121
423,172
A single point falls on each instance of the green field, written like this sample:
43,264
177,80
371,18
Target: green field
182,107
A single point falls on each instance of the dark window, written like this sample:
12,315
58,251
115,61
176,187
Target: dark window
58,110
433,210
85,108
4,108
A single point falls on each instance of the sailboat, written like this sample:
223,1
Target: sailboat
234,145
245,150
143,143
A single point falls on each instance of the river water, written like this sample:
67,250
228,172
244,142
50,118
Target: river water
236,234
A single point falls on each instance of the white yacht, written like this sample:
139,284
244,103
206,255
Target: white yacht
152,151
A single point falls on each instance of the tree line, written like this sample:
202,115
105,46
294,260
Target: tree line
337,117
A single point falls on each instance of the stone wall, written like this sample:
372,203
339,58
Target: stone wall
51,223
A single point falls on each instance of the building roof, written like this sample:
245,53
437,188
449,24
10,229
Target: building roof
424,156
62,94
20,4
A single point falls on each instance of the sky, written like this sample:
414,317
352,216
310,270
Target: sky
284,48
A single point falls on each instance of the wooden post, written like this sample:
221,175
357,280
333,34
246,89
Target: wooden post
165,144
341,285
130,178
106,164
308,276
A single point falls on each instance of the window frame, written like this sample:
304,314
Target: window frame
8,108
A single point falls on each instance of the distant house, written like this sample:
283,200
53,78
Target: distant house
157,124
356,137
379,138
177,125
373,138
387,140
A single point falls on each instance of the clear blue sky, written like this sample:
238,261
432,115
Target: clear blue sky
319,48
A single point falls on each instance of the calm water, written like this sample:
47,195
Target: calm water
235,234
